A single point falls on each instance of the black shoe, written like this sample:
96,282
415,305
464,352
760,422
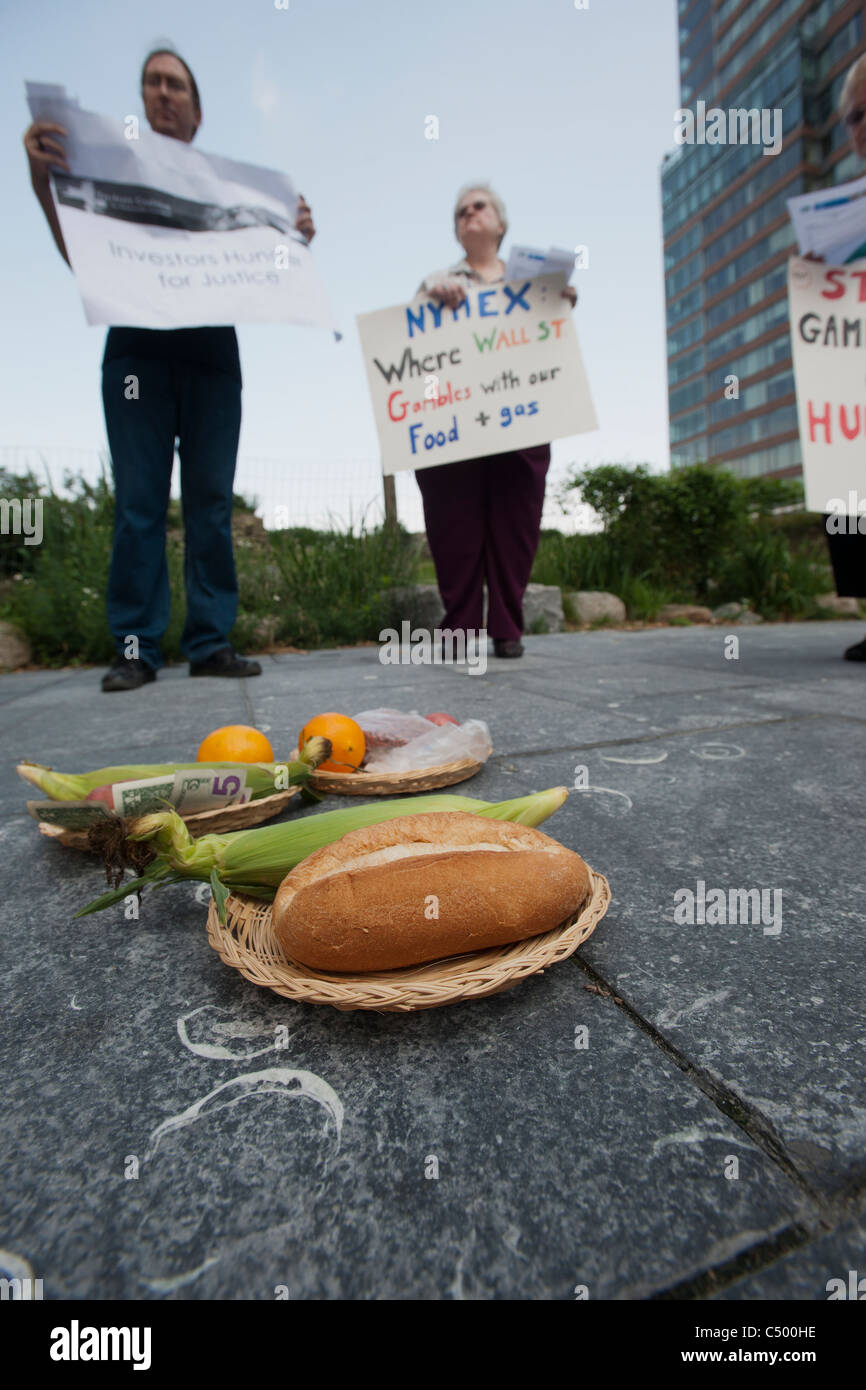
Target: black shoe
128,673
225,662
857,652
503,647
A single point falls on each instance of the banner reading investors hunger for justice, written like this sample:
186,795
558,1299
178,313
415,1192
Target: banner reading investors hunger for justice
828,338
162,235
501,372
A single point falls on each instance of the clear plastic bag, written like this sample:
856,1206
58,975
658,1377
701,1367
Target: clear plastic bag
430,745
390,728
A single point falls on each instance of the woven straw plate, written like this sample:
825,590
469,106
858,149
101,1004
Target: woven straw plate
217,822
248,944
363,783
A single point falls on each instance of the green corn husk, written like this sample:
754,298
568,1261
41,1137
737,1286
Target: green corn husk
262,778
256,861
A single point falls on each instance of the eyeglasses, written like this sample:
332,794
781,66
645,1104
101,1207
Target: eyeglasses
855,117
475,207
155,79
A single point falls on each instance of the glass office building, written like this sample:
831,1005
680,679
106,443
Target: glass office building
727,234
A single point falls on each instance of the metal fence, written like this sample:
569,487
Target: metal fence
293,489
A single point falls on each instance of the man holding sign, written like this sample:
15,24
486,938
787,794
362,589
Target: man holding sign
159,386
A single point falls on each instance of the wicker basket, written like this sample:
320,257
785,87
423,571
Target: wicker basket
223,819
248,944
363,783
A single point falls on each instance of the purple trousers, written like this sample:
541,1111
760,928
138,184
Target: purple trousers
483,520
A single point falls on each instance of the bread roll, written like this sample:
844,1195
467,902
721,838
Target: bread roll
421,887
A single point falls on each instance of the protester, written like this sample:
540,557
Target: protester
848,548
187,388
483,516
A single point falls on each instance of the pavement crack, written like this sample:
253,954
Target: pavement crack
765,1253
750,1261
745,1116
665,734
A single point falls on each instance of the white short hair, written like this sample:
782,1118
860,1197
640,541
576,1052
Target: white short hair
495,199
855,77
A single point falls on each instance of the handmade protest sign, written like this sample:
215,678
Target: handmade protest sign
828,337
162,235
503,371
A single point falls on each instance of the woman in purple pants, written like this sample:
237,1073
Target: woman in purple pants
483,516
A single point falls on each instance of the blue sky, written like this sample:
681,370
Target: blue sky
567,113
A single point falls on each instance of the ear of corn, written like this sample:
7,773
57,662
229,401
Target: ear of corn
262,778
256,861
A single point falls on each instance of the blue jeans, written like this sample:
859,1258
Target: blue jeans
201,409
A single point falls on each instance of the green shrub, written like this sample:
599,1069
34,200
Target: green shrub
60,602
334,583
776,580
304,587
675,529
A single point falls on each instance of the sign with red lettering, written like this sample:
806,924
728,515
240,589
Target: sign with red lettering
828,341
503,371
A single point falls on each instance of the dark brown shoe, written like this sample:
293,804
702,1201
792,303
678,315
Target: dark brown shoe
503,647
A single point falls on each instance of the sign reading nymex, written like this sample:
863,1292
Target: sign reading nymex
503,371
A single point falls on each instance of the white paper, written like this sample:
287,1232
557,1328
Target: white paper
501,372
831,222
162,235
529,261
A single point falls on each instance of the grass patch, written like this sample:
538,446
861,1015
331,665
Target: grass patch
301,587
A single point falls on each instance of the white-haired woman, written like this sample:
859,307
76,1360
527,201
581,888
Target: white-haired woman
483,516
848,550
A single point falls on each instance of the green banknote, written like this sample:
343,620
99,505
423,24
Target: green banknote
68,815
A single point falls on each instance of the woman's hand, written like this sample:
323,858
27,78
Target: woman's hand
449,292
570,293
44,150
304,220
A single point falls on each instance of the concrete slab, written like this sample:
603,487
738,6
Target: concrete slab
770,1010
608,1166
161,1143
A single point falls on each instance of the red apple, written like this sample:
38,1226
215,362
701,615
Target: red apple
440,718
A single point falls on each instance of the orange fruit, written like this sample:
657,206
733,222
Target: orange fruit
235,743
348,745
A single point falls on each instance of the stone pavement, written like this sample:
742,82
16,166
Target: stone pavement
708,1141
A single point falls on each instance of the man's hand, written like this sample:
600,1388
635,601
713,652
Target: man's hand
570,293
450,292
44,151
304,220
